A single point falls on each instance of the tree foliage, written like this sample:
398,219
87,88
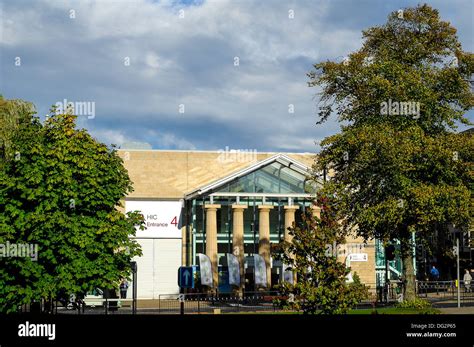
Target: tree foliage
61,191
320,285
12,114
396,174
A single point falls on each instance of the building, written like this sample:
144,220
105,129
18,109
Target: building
219,202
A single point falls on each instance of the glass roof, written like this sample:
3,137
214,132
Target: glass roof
272,178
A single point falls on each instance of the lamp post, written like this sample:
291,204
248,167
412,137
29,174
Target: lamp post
133,265
458,272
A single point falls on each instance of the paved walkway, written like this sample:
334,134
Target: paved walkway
450,306
455,310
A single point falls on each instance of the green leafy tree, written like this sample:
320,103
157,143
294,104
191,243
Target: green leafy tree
61,191
12,114
320,285
400,170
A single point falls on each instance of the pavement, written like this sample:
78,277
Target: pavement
456,310
450,305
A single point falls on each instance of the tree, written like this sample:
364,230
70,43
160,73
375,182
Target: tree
399,168
12,114
60,191
320,285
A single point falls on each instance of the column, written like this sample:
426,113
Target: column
316,210
211,239
238,239
264,238
289,220
184,246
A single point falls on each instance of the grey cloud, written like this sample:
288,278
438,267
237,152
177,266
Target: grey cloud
187,61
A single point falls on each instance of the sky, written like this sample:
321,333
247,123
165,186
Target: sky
190,75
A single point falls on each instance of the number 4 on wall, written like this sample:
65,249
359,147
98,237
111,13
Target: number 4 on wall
174,221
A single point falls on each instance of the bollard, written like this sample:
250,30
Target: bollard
181,303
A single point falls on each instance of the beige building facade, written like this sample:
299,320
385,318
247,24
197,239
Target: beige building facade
225,205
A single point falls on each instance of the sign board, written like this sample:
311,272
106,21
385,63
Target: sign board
234,269
186,277
358,257
260,270
223,282
162,218
205,268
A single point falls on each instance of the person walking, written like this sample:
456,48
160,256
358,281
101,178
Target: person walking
467,281
123,289
434,273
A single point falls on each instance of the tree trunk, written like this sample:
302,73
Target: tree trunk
408,269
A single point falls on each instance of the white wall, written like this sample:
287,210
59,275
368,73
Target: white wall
158,267
161,247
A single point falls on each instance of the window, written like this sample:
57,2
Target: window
272,178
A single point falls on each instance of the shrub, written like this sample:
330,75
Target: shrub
359,290
418,304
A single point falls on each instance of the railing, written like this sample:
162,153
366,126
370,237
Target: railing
199,303
436,291
249,302
390,293
438,288
96,306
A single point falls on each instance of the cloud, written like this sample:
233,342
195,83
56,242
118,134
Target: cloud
111,136
140,60
121,138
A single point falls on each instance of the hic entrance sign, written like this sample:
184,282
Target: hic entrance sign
162,218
